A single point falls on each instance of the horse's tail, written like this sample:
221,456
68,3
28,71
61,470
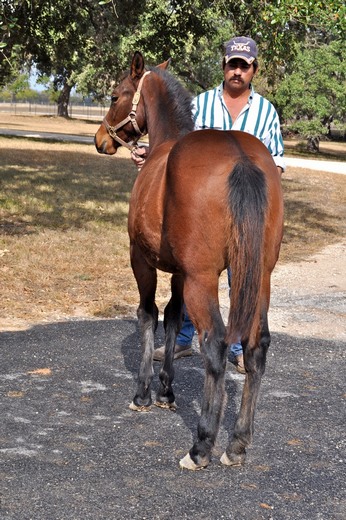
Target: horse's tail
247,205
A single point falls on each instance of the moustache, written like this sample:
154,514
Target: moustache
238,78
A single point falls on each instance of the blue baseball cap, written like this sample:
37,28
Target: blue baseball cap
241,47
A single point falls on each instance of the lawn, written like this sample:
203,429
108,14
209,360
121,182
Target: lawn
63,237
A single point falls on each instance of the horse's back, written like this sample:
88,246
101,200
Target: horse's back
218,150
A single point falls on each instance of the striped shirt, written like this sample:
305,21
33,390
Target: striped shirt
258,118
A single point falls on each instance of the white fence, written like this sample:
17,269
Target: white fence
78,111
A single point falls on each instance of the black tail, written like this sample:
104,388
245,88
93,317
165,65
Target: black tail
247,205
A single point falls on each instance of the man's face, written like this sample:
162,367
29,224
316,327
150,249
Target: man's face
238,74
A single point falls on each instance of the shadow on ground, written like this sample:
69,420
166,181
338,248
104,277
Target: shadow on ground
71,448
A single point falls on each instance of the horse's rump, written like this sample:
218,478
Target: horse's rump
216,213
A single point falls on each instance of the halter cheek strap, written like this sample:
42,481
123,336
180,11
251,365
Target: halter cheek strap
131,118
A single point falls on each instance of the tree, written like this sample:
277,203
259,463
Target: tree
88,43
192,32
12,40
58,44
19,89
314,95
53,35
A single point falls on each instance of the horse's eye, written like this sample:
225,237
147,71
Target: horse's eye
114,99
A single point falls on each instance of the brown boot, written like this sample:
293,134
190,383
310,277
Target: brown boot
239,364
179,351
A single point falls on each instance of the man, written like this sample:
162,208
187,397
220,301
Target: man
232,105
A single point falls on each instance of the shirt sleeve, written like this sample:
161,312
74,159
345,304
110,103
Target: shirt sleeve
202,111
196,112
276,144
263,122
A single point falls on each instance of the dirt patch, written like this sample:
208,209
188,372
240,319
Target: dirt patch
308,298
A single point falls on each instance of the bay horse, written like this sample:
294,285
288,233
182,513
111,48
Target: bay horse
204,200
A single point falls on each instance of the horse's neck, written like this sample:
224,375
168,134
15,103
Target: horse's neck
162,122
161,128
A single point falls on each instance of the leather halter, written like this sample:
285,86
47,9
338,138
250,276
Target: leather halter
131,118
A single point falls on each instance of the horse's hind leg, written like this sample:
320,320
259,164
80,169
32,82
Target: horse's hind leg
148,317
207,316
172,323
254,360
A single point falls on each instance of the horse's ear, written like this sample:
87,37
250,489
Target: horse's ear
164,65
137,65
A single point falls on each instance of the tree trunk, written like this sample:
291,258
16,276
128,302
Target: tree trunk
63,100
313,144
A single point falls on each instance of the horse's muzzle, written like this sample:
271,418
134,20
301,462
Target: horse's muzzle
102,148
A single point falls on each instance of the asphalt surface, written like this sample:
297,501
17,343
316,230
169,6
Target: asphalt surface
52,136
72,449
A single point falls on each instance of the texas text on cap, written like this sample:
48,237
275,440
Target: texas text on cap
241,47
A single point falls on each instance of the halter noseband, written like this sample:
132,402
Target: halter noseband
112,130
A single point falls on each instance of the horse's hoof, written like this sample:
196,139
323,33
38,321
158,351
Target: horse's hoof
235,460
137,408
166,406
187,463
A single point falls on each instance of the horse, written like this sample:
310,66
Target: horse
204,200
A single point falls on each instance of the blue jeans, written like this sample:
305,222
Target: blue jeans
187,331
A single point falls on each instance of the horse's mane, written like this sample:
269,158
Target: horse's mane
179,101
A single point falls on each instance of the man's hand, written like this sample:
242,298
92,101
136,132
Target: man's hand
138,156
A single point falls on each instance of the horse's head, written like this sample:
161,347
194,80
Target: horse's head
125,121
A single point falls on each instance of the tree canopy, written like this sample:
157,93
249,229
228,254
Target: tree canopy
313,95
87,44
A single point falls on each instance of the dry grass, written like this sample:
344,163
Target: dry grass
314,212
329,150
63,238
48,124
